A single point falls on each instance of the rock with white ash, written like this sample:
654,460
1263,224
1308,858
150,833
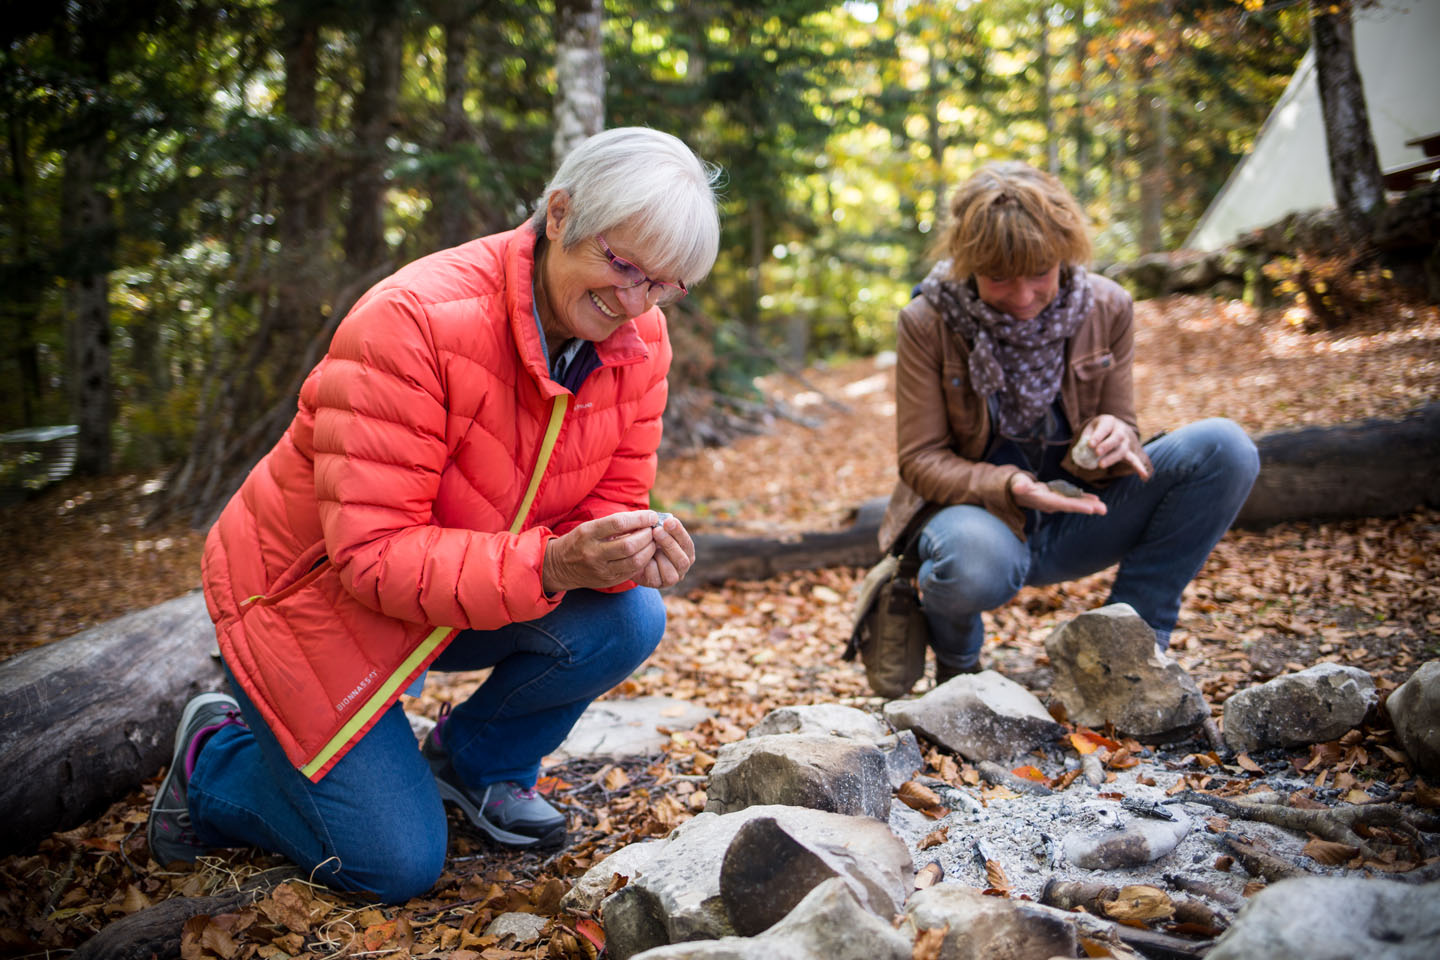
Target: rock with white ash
678,896
1414,709
829,922
800,770
1336,918
1108,669
981,926
981,716
1312,706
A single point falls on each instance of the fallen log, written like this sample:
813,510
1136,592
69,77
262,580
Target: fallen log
719,557
1367,468
155,932
85,720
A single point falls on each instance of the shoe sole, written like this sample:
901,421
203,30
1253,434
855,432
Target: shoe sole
555,838
177,758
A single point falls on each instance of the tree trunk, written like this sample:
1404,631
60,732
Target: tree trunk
1354,164
1047,96
371,121
1079,123
933,92
579,74
88,224
25,282
84,720
1153,179
452,214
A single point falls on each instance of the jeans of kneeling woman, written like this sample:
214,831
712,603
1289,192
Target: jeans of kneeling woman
1159,531
375,822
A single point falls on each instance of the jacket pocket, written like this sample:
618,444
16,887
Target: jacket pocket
307,568
1093,366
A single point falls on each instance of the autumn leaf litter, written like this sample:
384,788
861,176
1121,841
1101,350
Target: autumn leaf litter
1360,592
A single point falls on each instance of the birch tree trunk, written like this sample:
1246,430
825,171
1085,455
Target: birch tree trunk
88,224
1354,164
579,74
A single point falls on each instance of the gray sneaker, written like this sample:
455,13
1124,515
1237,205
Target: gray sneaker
508,813
169,832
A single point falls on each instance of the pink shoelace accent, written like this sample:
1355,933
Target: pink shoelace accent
192,752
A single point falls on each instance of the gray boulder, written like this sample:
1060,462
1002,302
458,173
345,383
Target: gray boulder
902,753
983,716
629,862
678,895
1141,841
819,772
1312,706
821,719
1414,709
829,922
991,927
1108,669
1336,918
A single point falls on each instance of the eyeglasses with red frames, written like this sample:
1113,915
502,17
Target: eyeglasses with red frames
665,292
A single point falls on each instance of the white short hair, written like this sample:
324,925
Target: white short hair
649,182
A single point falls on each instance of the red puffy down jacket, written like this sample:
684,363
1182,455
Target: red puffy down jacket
379,524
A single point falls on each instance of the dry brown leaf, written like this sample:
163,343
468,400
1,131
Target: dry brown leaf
1223,864
1137,904
1095,948
934,838
1245,763
1329,852
1426,795
995,877
917,796
286,907
928,943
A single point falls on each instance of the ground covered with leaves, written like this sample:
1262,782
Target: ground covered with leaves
1360,592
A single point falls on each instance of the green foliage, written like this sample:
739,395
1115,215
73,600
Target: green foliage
840,127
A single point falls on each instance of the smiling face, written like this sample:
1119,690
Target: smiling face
1021,297
577,295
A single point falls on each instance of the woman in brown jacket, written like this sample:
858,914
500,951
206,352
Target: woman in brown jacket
1019,457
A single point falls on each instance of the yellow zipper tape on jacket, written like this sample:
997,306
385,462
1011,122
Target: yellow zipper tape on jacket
547,447
387,690
382,696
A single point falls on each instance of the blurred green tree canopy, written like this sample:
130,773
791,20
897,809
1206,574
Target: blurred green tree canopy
194,190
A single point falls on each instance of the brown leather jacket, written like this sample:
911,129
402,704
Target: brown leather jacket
943,425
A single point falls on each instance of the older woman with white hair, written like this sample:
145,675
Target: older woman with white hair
465,485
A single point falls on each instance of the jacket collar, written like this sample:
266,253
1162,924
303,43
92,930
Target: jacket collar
621,348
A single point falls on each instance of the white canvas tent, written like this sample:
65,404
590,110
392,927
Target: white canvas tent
1397,47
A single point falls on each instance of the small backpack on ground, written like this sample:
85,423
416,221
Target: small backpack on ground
890,632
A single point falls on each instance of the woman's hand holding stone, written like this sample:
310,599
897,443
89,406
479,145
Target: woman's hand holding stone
1113,441
1029,493
602,553
674,553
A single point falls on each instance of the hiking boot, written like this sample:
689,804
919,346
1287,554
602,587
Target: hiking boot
169,832
943,671
508,813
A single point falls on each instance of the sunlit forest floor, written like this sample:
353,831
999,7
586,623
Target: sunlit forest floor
1361,592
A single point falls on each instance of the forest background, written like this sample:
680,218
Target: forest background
195,190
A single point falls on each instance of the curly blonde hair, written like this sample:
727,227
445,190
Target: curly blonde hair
1012,220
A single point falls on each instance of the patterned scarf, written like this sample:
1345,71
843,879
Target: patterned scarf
1018,361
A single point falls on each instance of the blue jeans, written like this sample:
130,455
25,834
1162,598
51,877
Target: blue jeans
1160,532
375,822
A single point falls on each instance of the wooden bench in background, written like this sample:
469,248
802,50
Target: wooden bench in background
1410,175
